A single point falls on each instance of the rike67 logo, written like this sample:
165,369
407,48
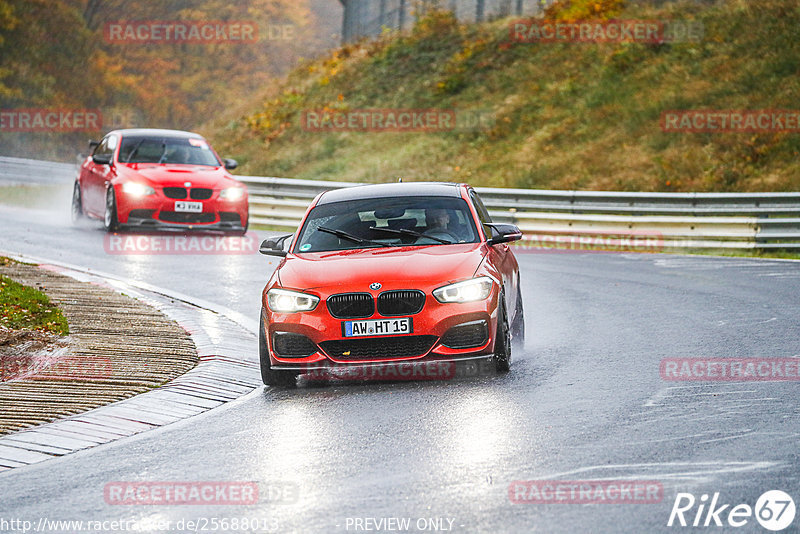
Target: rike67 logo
774,510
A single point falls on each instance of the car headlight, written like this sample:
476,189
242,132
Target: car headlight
135,189
466,291
232,193
285,301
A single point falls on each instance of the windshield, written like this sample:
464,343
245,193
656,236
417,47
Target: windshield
173,150
380,222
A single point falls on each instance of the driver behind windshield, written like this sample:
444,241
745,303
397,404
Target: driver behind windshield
443,222
136,149
177,154
382,222
437,219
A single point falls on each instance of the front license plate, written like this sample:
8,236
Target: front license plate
191,207
377,327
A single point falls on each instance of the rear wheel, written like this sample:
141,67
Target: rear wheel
110,220
269,376
502,342
77,204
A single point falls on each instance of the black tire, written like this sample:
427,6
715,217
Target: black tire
269,376
518,324
502,342
110,221
77,214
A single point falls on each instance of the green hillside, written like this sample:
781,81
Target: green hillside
562,115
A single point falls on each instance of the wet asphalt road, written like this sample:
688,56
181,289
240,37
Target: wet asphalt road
584,401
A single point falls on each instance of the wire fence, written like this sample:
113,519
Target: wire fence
366,18
363,18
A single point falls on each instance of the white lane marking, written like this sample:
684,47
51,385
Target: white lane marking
674,471
665,394
742,434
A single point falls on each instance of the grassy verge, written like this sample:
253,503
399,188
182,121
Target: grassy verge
746,253
25,308
562,116
35,196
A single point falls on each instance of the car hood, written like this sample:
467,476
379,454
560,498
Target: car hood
399,267
177,175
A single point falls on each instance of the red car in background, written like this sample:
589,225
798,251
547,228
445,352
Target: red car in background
380,274
159,179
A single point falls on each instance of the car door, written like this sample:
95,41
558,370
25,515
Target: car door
98,175
500,255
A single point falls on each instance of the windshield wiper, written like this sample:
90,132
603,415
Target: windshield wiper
163,153
406,231
135,150
351,237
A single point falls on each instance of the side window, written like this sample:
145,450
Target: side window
483,213
100,148
106,146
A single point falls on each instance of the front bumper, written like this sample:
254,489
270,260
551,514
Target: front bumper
430,341
155,224
158,212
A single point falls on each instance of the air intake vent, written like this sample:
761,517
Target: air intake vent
200,193
378,348
351,305
178,193
401,302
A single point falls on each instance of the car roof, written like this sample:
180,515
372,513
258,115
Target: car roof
435,189
156,132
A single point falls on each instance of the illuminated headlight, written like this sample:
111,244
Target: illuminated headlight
136,189
232,193
467,291
285,301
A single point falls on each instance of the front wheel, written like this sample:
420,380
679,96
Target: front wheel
110,220
269,376
502,342
518,324
77,204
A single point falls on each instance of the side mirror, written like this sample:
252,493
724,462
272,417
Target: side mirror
230,164
274,246
102,159
503,233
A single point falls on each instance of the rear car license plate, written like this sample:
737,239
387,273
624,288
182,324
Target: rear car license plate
191,207
377,327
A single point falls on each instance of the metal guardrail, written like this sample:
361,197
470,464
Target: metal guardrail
576,219
21,171
564,219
